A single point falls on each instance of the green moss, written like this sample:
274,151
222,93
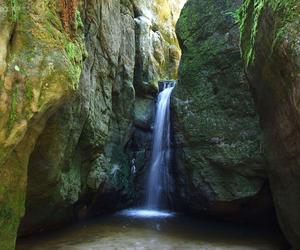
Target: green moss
28,91
46,59
15,10
13,109
53,19
2,155
235,15
1,84
74,54
70,184
78,21
287,11
214,112
6,213
9,221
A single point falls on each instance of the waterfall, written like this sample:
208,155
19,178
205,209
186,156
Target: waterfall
160,181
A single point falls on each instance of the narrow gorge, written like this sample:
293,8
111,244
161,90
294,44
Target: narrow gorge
160,124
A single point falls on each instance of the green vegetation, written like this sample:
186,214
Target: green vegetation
256,7
78,21
74,54
28,91
13,108
15,10
10,213
45,61
249,17
70,184
1,83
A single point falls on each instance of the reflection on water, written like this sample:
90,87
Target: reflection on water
125,230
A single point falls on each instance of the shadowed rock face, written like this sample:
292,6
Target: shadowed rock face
73,154
270,47
40,65
217,136
69,122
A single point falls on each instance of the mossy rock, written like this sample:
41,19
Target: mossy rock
37,75
217,134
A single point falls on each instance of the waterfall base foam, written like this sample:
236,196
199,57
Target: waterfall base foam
145,213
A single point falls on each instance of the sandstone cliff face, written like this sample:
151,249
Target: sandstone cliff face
217,136
270,45
40,64
73,154
70,133
158,52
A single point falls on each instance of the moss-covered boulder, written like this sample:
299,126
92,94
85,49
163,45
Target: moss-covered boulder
270,41
217,135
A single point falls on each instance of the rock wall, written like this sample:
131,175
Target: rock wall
40,65
72,155
220,165
270,47
69,77
158,52
82,154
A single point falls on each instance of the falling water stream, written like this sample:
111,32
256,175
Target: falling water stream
160,180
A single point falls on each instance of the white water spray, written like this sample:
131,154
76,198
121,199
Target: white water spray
160,181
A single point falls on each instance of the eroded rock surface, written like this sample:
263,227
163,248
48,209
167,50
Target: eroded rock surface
40,65
271,51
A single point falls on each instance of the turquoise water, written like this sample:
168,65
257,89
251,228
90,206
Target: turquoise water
139,230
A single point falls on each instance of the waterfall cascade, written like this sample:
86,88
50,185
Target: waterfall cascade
160,182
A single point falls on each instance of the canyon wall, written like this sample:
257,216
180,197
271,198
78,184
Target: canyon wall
78,82
270,32
40,63
219,157
69,77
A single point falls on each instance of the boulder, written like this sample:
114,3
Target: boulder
218,142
